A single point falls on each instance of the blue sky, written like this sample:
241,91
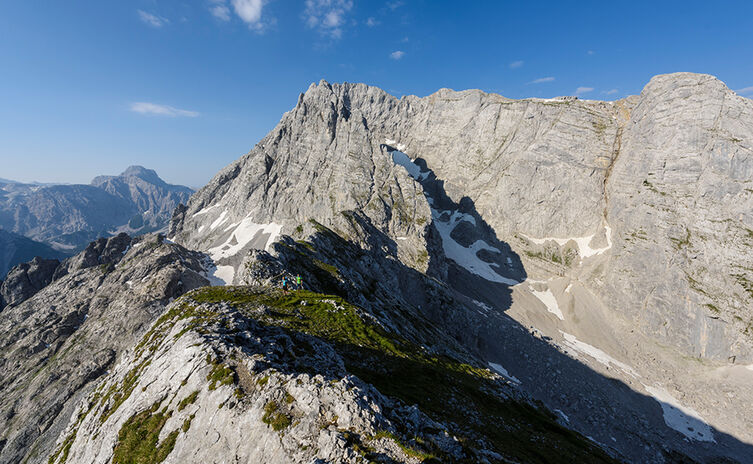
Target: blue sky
186,87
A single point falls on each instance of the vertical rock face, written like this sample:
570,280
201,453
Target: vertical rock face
681,202
666,176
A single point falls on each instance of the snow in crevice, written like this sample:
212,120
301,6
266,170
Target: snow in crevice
547,297
204,210
600,356
564,416
394,143
503,372
583,243
466,257
684,419
217,222
400,158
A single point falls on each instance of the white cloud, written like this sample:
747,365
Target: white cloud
328,16
152,20
162,110
590,52
396,55
394,5
611,92
582,90
249,11
371,22
220,12
516,64
745,90
541,80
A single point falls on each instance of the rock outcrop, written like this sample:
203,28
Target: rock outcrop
57,344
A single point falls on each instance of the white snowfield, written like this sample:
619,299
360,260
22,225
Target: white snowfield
584,249
244,233
503,372
685,420
600,356
465,257
204,210
547,297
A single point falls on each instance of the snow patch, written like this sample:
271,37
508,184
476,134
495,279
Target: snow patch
567,289
217,222
244,233
466,257
398,157
600,356
503,372
547,297
685,420
564,416
394,143
204,211
584,249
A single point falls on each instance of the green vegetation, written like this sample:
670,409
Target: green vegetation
651,187
64,449
746,284
190,399
712,307
275,417
332,270
187,423
455,393
412,452
682,242
138,438
564,258
220,374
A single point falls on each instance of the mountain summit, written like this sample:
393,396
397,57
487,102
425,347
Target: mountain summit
456,278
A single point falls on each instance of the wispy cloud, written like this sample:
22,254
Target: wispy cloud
516,64
152,20
162,110
396,55
395,5
610,92
219,10
371,22
542,80
745,90
590,52
328,16
582,90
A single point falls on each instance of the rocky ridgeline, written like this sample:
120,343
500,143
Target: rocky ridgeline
666,174
456,251
57,341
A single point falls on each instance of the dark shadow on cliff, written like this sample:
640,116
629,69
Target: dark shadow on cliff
360,264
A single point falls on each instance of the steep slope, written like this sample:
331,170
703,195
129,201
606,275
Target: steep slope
55,344
523,209
69,216
16,249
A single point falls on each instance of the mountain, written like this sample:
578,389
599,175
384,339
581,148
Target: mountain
69,216
15,249
484,280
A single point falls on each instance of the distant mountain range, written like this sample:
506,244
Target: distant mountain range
64,218
16,249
